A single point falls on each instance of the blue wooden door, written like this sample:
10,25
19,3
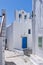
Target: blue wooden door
24,42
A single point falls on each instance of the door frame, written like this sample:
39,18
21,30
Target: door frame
22,43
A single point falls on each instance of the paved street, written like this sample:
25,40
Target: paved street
14,58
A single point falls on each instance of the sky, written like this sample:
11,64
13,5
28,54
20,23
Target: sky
12,5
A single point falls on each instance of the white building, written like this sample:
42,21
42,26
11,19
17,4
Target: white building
2,38
38,19
19,33
37,32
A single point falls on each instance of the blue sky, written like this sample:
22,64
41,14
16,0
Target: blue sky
12,5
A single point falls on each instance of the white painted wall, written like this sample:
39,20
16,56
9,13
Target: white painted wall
38,28
2,39
23,13
2,47
17,30
9,36
15,33
20,30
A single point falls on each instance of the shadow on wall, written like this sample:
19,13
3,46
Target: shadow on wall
27,52
9,63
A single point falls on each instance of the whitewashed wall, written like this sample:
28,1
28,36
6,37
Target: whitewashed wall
20,30
9,35
14,35
38,28
2,47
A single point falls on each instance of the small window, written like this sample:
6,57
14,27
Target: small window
6,41
19,15
25,16
29,31
40,41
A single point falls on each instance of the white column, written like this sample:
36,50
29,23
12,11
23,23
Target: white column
2,62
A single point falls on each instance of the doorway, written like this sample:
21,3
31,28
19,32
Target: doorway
24,42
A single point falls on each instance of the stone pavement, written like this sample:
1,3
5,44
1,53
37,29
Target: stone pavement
14,58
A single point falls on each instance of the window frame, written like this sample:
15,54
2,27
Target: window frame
29,31
40,40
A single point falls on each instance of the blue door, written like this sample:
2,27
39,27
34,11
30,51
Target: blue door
24,42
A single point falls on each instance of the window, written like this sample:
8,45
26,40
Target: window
5,44
19,15
40,41
25,16
29,31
